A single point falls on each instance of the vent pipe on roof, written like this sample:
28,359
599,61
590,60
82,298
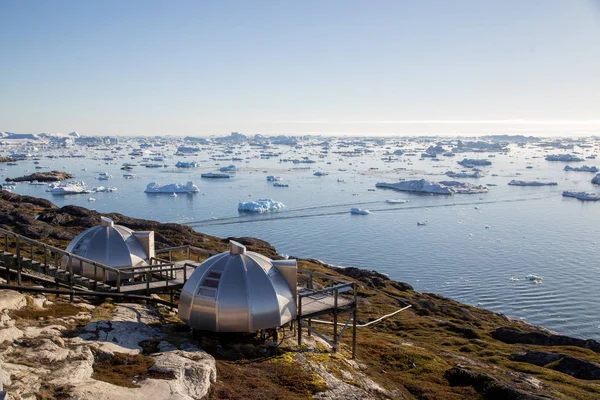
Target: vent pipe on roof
237,248
105,221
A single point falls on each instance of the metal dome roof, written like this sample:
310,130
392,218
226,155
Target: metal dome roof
112,245
239,291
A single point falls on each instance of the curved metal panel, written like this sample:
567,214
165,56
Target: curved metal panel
238,291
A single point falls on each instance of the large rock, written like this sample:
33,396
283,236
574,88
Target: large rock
11,300
194,372
51,176
488,386
511,336
576,367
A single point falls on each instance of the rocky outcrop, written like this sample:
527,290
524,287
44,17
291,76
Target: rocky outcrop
43,356
576,367
51,176
511,336
488,386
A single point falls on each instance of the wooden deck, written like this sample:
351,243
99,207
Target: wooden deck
161,285
321,303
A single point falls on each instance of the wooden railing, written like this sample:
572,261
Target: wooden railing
188,250
49,256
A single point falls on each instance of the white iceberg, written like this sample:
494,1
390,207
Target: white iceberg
260,206
562,157
69,188
596,179
469,162
396,201
424,186
103,189
189,187
229,168
584,168
585,196
531,183
272,178
475,174
359,211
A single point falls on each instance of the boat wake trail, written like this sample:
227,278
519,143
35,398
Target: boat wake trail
335,209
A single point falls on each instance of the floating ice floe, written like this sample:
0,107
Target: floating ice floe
424,186
279,184
396,201
470,162
531,183
596,179
272,178
422,223
186,164
585,196
69,188
319,173
189,187
474,174
562,157
103,189
91,199
359,211
229,168
583,168
260,206
213,175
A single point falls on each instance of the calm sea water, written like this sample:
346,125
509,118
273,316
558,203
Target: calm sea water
477,249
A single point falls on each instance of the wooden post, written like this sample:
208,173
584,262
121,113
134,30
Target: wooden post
299,318
354,286
335,306
71,277
18,246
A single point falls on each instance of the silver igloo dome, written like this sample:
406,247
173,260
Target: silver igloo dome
239,291
112,245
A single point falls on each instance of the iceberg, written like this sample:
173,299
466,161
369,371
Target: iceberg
584,168
260,206
229,168
69,188
475,174
585,196
596,179
102,189
272,178
562,157
279,184
531,183
470,162
424,186
189,187
396,201
359,211
213,175
185,164
319,173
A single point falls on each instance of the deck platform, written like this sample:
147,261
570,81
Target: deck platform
163,285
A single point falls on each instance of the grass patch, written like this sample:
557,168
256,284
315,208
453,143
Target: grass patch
56,310
126,370
275,378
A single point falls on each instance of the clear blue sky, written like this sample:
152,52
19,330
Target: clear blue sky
322,66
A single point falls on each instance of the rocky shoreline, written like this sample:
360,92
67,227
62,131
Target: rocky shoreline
438,348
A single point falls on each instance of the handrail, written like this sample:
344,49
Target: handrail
56,250
328,289
322,276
